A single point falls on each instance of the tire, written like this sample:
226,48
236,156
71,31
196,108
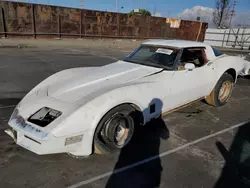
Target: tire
115,130
222,91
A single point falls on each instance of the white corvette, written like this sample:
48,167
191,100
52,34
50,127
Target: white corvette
88,110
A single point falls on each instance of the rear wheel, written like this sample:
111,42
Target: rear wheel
222,91
115,130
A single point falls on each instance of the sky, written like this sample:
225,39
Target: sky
186,9
163,7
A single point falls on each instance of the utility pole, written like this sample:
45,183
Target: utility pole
154,10
116,5
232,13
230,22
81,4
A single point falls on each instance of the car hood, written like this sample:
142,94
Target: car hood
83,83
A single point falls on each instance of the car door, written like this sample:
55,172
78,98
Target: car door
190,85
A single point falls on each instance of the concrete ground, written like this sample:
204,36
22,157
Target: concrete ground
123,44
117,44
199,146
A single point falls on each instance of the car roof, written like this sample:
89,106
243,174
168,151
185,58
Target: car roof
182,44
175,43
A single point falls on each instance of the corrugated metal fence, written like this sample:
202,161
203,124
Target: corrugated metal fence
24,19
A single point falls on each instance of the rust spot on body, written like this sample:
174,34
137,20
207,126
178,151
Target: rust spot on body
180,107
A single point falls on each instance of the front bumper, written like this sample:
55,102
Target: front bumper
41,147
36,140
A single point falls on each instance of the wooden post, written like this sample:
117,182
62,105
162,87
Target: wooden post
118,25
80,23
224,38
3,23
33,21
59,26
199,32
83,22
101,27
149,25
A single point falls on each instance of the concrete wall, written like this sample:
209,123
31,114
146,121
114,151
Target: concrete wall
230,38
32,20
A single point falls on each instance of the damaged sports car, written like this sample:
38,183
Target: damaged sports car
88,110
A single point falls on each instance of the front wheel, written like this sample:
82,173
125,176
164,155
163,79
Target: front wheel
221,92
115,130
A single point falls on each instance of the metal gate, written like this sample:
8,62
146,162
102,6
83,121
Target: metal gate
239,38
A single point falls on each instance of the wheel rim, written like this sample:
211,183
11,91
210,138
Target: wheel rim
225,91
123,131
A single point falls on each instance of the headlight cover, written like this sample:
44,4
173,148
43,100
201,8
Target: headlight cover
44,116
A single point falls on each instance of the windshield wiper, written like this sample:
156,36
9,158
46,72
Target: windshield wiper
155,73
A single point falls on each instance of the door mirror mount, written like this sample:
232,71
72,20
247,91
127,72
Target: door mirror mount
189,66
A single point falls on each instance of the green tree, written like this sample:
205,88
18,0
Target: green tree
198,18
141,12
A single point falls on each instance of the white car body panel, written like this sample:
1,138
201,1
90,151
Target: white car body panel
85,95
190,87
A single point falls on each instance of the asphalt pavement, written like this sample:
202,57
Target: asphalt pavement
198,146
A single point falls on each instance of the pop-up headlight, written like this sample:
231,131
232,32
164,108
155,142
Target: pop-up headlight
44,116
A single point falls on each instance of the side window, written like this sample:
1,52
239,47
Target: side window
217,52
195,56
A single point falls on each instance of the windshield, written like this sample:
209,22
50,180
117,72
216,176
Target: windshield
162,57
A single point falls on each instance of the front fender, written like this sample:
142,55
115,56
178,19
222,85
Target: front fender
86,118
89,113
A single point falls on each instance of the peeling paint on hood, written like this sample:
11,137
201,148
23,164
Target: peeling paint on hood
80,85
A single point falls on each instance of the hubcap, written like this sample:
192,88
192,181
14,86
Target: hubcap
123,130
225,91
122,133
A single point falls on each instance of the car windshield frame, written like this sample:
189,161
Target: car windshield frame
147,63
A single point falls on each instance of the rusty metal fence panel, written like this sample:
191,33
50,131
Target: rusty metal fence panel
92,23
18,18
109,25
44,20
1,20
156,27
70,21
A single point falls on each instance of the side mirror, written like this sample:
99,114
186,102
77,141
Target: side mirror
189,66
